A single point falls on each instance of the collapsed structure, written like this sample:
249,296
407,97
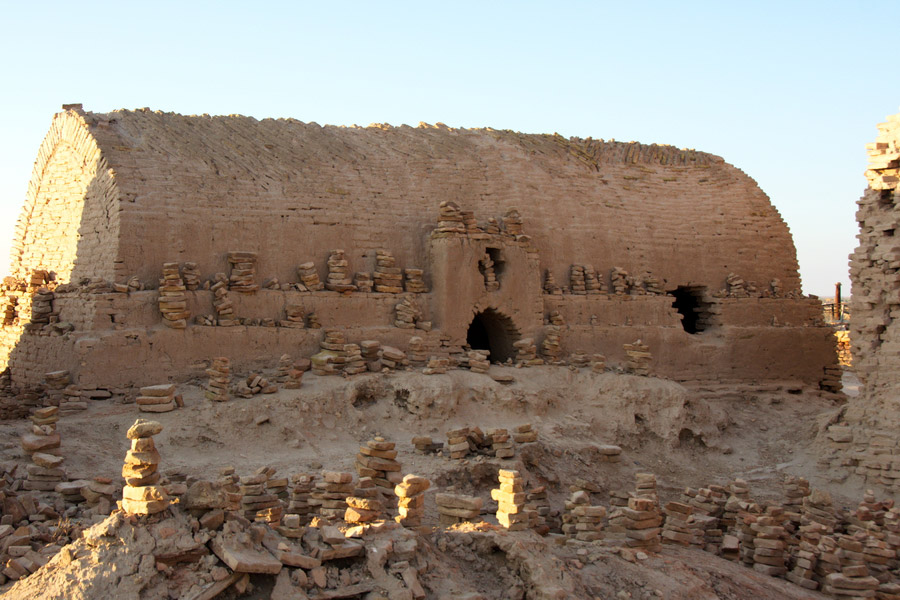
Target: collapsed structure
865,439
151,241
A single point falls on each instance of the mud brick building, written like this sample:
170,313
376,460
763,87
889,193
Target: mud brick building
705,268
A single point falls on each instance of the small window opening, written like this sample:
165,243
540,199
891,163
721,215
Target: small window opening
694,310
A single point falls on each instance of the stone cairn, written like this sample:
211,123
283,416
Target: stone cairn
56,383
377,459
598,363
642,524
330,494
338,278
550,286
299,505
577,284
591,283
363,282
312,321
365,503
639,358
371,353
393,358
43,445
456,508
538,503
486,266
142,494
619,277
417,352
501,447
450,219
191,275
805,556
407,313
436,366
293,317
157,398
734,286
526,353
423,444
524,434
243,272
458,442
551,347
511,498
414,284
512,222
678,527
411,500
309,277
478,361
172,301
853,580
388,277
354,363
470,222
222,304
219,373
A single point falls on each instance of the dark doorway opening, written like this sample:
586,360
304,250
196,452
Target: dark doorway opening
694,310
494,332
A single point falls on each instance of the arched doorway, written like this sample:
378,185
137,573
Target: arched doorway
494,332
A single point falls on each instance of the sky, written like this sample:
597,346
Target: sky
789,92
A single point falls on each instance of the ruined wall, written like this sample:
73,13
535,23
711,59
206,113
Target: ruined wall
115,196
866,440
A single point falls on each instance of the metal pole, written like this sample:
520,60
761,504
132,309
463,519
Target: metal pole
837,314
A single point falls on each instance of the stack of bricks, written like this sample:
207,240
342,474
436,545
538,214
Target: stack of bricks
231,485
98,493
526,353
853,580
805,556
598,363
301,489
312,321
551,346
831,380
652,285
524,434
417,352
436,366
243,272
550,286
645,486
880,558
338,278
486,266
425,445
501,447
639,358
309,277
371,353
277,485
41,308
354,363
191,275
578,498
492,227
56,382
795,490
469,222
293,317
619,277
588,522
512,222
746,517
511,498
42,444
363,282
172,301
157,398
415,284
609,453
579,360
458,442
577,283
450,219
254,496
411,500
330,494
537,502
142,494
642,524
254,384
455,508
407,312
591,283
285,364
478,361
819,508
770,542
734,286
377,459
222,303
388,277
393,358
364,504
219,379
678,527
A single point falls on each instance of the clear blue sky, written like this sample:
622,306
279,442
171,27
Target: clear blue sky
787,91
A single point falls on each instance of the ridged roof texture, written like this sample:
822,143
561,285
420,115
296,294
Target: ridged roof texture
195,187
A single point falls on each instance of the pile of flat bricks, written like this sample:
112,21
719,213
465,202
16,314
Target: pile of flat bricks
416,352
678,527
576,280
512,222
524,434
406,312
501,447
172,301
354,363
511,498
363,281
243,272
490,277
254,384
478,361
191,275
219,373
411,500
457,508
301,489
377,459
222,304
388,277
609,453
43,445
458,442
393,358
450,219
642,524
330,494
415,284
371,353
526,353
425,445
158,398
592,284
639,358
436,366
142,494
338,278
309,277
364,504
293,317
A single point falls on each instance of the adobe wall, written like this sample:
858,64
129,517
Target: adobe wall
865,440
154,188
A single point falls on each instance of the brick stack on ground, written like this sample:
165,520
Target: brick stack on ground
219,372
388,277
639,358
458,442
511,499
42,444
157,398
172,300
142,494
411,500
309,277
457,508
338,278
377,459
330,494
243,272
365,504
